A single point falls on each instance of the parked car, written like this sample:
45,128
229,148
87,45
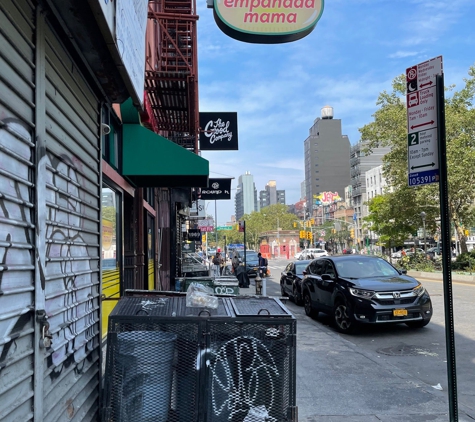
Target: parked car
312,253
211,252
362,289
291,279
252,262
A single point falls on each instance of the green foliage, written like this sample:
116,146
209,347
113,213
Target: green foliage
465,262
110,213
416,262
267,219
403,206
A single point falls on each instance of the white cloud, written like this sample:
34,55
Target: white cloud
402,54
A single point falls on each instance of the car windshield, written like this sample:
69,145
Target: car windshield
251,256
361,268
300,267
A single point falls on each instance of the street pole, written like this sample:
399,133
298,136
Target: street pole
225,254
423,216
216,223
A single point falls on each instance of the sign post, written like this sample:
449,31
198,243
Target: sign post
427,163
422,122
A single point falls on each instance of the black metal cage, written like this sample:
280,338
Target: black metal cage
167,362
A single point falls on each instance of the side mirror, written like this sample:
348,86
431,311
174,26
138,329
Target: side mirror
403,271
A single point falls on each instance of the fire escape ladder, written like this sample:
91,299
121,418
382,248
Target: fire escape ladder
171,80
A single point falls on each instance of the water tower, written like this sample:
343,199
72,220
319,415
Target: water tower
327,112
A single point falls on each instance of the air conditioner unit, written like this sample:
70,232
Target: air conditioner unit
185,212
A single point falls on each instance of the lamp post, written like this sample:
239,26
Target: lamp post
423,216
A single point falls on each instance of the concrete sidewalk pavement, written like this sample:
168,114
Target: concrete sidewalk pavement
336,381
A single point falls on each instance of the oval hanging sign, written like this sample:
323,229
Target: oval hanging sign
267,21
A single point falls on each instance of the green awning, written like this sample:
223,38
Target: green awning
150,160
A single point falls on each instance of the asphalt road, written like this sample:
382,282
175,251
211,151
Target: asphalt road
418,357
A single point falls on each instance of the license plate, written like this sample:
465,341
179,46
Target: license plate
400,312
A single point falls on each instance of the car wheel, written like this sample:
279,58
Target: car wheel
307,303
418,324
343,317
297,297
282,291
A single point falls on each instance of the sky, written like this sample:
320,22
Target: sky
355,51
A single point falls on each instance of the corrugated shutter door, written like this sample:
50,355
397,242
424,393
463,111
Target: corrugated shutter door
17,275
72,270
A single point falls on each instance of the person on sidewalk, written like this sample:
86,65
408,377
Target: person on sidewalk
217,265
235,262
262,265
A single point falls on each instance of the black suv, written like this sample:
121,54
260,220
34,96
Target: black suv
359,289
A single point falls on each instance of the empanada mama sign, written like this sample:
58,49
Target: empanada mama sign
267,21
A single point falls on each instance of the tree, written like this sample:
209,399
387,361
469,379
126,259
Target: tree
403,206
267,219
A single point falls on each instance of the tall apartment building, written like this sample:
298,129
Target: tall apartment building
327,157
360,163
245,199
271,195
303,190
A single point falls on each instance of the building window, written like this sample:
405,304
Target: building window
111,142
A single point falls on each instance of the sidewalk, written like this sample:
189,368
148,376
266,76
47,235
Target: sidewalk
439,276
337,381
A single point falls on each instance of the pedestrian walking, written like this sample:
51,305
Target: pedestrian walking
262,265
217,265
235,262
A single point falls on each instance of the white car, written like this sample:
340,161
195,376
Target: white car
312,253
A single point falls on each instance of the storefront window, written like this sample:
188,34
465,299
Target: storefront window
111,255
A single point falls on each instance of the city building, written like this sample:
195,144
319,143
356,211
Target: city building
375,185
303,190
99,156
271,195
245,199
326,155
360,163
375,182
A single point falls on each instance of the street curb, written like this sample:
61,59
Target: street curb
439,276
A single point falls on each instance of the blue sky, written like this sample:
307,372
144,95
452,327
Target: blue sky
357,48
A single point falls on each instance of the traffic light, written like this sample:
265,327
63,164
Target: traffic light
295,224
302,234
352,233
309,235
312,221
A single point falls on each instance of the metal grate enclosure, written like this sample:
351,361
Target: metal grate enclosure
170,363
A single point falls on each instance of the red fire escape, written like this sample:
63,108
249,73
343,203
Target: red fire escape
171,80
